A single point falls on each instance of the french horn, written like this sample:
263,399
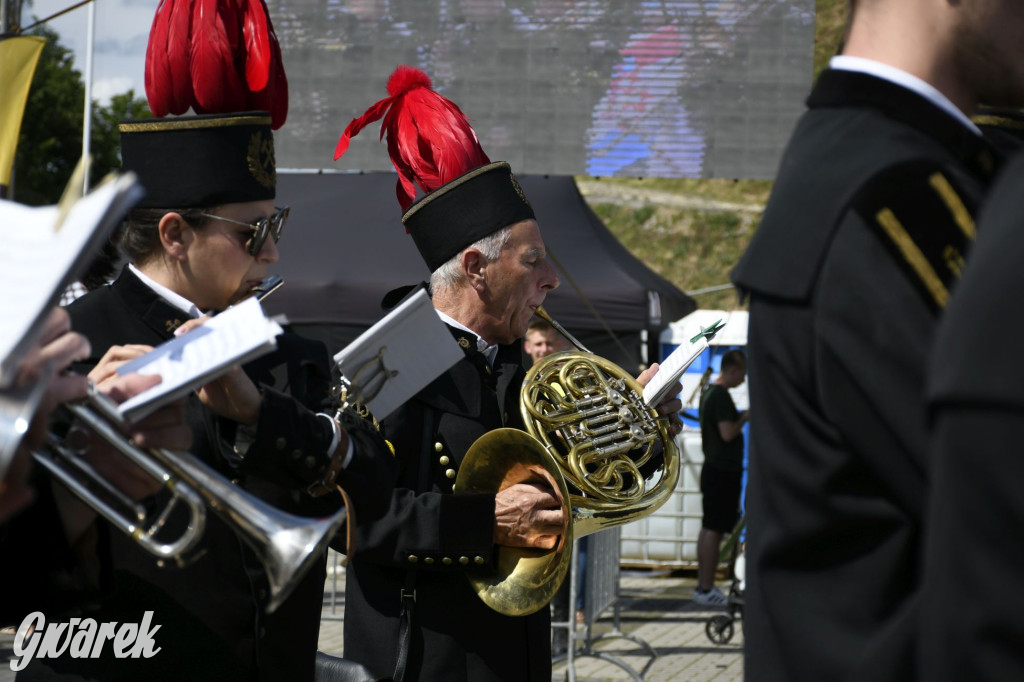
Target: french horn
611,458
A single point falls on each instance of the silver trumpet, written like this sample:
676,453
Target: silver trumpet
287,545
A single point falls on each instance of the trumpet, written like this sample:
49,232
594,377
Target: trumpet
287,545
589,431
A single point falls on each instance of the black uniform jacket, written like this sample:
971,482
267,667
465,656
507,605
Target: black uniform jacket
212,624
431,539
973,592
861,242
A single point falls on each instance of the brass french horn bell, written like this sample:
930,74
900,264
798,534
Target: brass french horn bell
591,434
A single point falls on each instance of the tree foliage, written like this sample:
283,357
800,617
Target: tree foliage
50,142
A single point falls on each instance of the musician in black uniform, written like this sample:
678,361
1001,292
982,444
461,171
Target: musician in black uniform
973,565
410,611
202,238
861,243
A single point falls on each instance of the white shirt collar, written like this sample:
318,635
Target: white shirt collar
489,351
903,79
163,292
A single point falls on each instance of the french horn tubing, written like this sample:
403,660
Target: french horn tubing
589,431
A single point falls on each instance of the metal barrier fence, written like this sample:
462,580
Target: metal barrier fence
600,580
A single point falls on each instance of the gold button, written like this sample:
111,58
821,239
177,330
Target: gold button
280,443
296,453
438,447
413,558
478,560
429,560
447,561
444,460
450,473
310,462
464,560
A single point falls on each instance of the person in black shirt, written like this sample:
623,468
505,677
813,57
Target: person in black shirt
721,431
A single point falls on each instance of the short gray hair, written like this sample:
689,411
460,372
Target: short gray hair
450,274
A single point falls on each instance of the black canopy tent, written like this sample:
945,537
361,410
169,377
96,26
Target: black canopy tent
345,247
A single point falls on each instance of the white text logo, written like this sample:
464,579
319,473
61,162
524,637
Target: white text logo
82,638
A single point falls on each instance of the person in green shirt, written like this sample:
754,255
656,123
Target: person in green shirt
721,430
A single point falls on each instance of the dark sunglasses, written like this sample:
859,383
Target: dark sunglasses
271,225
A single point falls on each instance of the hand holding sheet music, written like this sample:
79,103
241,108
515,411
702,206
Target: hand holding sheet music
675,364
234,337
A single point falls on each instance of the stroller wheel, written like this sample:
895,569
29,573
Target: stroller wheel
720,629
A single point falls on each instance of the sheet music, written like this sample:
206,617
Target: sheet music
185,363
672,367
414,346
40,258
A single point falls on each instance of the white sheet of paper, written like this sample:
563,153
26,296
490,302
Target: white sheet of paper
37,262
185,363
672,367
417,347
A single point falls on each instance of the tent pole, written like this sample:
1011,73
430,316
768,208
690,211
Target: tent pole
90,35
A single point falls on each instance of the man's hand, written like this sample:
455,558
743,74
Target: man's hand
56,349
232,395
528,515
671,405
46,361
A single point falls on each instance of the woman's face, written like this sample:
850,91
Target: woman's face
219,268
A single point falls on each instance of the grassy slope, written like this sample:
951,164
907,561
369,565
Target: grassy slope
697,248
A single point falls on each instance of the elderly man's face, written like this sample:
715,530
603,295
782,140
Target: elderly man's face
516,284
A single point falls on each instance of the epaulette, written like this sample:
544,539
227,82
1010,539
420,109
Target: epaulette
926,223
1003,128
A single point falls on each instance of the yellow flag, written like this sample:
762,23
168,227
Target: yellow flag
18,59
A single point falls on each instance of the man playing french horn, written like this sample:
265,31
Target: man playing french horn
410,612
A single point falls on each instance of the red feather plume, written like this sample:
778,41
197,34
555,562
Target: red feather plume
215,57
430,140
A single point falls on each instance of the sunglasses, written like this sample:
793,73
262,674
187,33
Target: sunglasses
271,225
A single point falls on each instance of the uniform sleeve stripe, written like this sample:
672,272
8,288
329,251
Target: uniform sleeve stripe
898,234
998,122
961,215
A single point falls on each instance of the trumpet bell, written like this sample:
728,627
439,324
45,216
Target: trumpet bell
523,579
287,545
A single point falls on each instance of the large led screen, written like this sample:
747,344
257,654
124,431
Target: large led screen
690,88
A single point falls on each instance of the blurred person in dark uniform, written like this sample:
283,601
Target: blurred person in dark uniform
410,612
973,564
861,244
201,240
